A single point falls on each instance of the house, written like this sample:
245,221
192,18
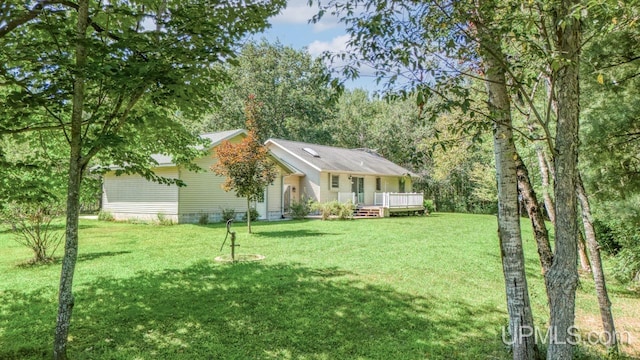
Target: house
325,173
305,171
134,197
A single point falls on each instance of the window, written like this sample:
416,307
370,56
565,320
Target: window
378,184
335,181
401,185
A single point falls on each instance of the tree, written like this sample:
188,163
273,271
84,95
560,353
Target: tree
418,41
520,315
362,121
113,77
293,87
31,191
246,165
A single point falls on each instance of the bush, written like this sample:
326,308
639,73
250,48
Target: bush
627,265
299,210
105,216
228,214
164,220
324,209
31,224
606,236
254,215
429,206
204,219
341,210
619,236
344,211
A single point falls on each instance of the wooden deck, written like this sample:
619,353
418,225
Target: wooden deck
374,211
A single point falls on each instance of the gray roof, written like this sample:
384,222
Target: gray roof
330,158
214,138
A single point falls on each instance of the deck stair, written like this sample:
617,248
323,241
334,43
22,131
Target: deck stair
367,211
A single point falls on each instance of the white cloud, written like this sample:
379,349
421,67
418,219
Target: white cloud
337,44
299,12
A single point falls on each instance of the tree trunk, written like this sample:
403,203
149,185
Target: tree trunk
585,265
562,278
518,305
249,213
550,206
598,273
65,296
546,194
540,232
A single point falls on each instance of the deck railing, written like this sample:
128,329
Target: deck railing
398,200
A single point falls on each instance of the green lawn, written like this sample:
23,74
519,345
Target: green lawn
398,288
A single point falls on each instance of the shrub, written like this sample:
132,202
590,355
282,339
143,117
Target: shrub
228,214
429,206
105,216
254,215
32,227
627,265
324,209
164,220
299,210
344,211
341,210
203,219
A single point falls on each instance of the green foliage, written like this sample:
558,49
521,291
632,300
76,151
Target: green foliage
293,87
619,235
254,215
32,171
325,209
203,219
300,210
429,206
164,220
105,216
149,64
365,122
246,165
342,211
228,214
627,266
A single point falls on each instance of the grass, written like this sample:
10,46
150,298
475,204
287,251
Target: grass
399,288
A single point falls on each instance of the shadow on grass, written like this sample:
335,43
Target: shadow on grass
97,255
291,233
249,311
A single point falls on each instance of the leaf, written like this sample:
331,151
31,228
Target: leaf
600,79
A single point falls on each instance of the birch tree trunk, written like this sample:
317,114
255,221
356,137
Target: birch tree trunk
546,194
585,264
512,254
540,232
562,278
597,271
65,295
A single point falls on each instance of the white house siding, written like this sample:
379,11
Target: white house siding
134,197
309,185
329,193
387,184
203,194
274,198
293,182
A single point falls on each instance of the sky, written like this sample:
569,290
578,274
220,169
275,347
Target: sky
292,28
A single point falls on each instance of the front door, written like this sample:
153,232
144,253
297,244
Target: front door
357,187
